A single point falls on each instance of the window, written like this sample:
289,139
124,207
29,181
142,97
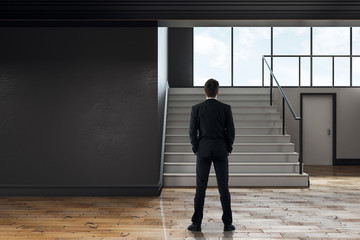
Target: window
356,71
212,55
356,40
356,60
341,71
305,72
322,71
320,55
250,43
331,40
286,70
291,41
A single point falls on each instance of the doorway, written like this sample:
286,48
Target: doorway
318,111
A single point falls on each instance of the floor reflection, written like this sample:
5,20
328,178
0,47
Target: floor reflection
205,235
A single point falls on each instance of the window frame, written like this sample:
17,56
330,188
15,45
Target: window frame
351,56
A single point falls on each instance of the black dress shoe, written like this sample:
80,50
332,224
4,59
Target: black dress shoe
229,228
194,228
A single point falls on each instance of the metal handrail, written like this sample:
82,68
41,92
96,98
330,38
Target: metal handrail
312,56
281,91
285,99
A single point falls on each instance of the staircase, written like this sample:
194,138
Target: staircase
261,157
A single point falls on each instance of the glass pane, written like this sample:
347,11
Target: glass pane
305,71
356,71
322,71
331,40
286,71
356,40
250,43
291,40
212,55
341,71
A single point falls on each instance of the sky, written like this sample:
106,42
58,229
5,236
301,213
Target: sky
212,55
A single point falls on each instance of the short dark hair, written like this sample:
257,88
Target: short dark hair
211,87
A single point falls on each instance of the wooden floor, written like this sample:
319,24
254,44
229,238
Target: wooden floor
329,209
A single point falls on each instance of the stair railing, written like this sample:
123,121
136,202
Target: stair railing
284,100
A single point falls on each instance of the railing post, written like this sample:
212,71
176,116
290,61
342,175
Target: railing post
271,87
333,71
283,116
299,71
301,144
263,80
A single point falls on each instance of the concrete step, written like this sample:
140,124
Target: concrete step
241,180
222,97
222,91
233,103
236,116
238,130
238,123
180,167
240,157
178,138
262,157
254,109
237,147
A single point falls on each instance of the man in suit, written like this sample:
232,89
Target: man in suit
212,135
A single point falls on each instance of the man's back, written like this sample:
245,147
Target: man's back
212,130
212,134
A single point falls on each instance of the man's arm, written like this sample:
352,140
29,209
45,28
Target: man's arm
193,131
230,130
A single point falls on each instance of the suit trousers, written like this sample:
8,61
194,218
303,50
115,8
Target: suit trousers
221,165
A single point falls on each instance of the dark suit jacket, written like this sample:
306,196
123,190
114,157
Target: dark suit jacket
212,131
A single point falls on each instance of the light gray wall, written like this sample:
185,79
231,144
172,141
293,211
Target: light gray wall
162,90
348,117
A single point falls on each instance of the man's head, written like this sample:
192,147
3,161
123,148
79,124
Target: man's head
211,88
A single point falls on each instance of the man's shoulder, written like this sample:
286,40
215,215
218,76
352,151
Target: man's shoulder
224,105
210,102
198,105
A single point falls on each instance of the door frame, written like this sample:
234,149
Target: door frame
333,95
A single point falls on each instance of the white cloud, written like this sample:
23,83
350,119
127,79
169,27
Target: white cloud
356,66
249,42
200,80
356,40
291,40
209,44
292,30
331,40
356,71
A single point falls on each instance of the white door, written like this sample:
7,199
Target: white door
317,130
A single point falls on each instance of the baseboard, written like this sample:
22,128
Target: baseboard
80,191
347,162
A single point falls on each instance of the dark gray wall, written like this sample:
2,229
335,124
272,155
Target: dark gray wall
180,57
79,111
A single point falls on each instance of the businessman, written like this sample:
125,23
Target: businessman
212,135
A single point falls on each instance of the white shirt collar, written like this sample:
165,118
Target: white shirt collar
211,98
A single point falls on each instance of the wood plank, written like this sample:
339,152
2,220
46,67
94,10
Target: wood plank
329,209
